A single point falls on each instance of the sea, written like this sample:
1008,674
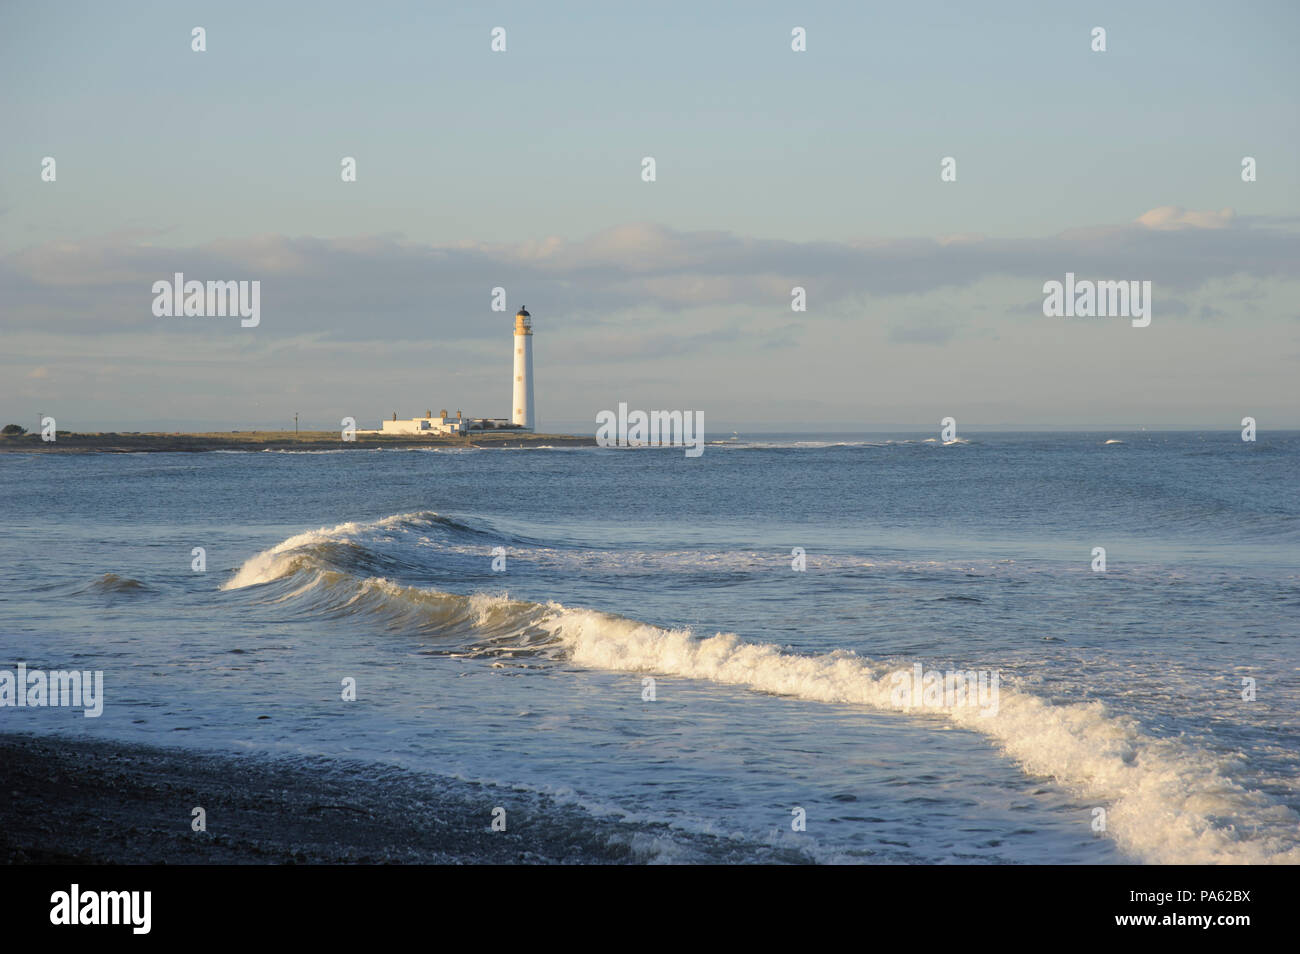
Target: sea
1066,648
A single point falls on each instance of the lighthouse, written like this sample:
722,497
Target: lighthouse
522,415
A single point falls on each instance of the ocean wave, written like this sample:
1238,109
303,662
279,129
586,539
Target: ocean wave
806,445
413,544
113,584
1167,801
381,546
281,450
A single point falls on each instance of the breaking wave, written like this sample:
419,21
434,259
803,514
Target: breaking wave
1166,801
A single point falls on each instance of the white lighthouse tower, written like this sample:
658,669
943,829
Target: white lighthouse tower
522,414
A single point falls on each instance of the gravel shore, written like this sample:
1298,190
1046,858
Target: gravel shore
76,801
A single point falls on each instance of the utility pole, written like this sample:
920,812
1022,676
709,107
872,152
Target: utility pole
295,423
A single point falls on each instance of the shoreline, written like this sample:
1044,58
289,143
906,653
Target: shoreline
77,801
157,442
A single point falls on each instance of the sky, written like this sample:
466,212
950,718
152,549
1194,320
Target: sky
774,169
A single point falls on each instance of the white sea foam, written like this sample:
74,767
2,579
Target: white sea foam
1166,800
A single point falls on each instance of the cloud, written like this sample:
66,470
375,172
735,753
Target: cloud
922,334
386,287
1176,217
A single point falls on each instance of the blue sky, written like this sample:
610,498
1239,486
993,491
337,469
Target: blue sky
774,168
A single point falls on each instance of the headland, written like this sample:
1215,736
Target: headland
73,442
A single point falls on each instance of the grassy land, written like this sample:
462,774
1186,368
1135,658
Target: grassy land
73,442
